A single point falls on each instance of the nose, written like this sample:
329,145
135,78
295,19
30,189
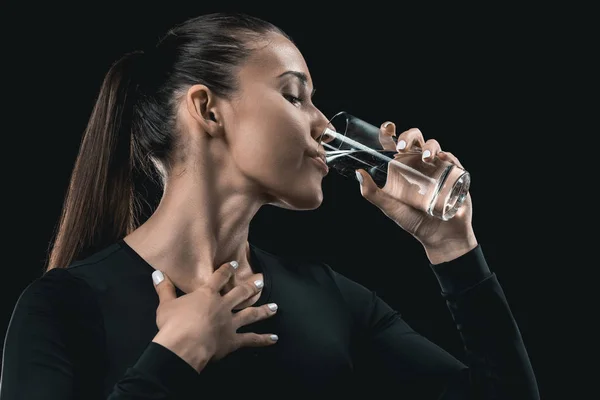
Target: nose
320,123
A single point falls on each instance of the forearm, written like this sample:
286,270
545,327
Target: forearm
499,366
159,373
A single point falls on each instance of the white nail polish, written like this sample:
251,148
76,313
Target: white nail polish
157,277
426,154
258,283
272,307
234,264
359,177
274,338
401,145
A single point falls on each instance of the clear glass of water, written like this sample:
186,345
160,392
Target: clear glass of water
434,186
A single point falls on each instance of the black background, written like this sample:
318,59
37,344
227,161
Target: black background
490,84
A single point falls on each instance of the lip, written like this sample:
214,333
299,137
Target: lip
321,164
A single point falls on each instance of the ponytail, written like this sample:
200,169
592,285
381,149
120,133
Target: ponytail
99,206
133,128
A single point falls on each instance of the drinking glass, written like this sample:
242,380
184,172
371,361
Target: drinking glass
434,186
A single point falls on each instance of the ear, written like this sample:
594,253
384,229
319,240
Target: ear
202,108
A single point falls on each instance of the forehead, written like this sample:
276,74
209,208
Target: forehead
272,57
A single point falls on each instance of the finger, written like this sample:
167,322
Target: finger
251,339
409,139
243,292
164,287
430,149
387,131
389,128
446,155
253,314
370,191
222,275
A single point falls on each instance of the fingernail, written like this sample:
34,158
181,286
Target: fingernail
272,307
401,145
234,264
274,338
258,283
359,177
426,154
157,277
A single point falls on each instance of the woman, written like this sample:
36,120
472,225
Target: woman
206,108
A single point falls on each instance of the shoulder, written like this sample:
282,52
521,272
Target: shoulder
64,289
55,316
55,289
97,262
53,284
109,269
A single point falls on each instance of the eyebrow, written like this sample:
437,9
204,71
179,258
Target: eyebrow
301,76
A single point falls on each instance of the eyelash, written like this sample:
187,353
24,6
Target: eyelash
293,99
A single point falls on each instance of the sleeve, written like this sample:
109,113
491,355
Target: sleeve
496,363
53,350
158,374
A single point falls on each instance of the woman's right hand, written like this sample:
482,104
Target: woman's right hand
200,326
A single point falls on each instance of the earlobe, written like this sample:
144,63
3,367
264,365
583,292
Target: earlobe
201,105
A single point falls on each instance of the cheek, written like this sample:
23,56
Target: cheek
266,148
272,148
269,136
278,137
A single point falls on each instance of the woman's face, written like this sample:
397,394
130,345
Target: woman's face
274,126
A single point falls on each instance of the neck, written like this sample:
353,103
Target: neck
195,230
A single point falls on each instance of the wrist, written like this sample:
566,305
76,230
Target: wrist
450,250
196,356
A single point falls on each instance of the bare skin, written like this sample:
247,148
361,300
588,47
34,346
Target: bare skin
234,156
238,154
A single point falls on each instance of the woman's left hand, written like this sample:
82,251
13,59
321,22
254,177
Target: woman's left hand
437,236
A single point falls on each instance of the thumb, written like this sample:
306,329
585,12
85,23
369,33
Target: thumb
368,187
164,287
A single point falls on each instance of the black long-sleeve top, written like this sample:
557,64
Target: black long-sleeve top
85,332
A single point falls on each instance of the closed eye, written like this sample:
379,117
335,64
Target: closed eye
293,99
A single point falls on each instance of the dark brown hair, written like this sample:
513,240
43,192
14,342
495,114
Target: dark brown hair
132,126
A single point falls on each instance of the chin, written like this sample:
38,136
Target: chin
303,200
